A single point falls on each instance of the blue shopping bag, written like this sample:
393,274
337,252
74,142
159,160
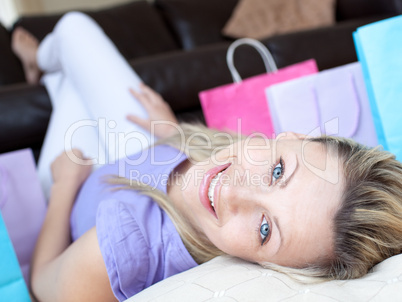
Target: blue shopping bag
12,284
379,49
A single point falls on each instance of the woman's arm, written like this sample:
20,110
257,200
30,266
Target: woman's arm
77,274
62,271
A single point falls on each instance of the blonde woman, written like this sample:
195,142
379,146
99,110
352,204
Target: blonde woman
324,207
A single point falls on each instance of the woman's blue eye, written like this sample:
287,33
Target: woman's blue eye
277,173
264,230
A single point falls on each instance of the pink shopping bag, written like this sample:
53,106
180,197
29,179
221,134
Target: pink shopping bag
22,203
242,106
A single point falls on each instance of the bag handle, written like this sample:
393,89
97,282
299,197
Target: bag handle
357,101
3,186
316,105
269,62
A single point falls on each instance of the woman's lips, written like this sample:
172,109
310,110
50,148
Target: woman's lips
204,187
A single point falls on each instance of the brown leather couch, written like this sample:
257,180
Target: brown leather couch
176,47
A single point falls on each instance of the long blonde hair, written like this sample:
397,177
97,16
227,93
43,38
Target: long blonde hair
367,227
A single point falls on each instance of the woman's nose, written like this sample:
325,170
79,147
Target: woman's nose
238,196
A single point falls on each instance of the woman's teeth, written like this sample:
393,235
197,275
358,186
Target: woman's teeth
211,189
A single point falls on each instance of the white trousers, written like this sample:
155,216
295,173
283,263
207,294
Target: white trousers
88,81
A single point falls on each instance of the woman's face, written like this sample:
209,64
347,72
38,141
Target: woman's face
273,202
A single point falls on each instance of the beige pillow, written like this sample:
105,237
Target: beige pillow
264,18
230,279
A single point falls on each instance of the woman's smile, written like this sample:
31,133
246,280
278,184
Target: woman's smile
209,188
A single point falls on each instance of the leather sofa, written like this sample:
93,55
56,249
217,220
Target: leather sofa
176,47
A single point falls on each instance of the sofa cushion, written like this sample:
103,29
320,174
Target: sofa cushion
349,9
196,22
264,18
11,69
136,28
24,116
230,279
179,76
330,47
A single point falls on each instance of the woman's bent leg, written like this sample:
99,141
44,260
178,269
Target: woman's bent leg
69,127
88,79
100,75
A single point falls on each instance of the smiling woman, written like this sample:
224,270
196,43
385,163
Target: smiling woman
323,207
308,207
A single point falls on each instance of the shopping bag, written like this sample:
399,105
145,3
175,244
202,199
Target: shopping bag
379,49
12,285
241,106
331,102
22,203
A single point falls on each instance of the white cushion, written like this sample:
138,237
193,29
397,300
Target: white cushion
232,279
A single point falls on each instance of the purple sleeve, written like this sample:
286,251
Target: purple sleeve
123,247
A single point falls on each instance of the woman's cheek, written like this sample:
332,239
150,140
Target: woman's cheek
231,241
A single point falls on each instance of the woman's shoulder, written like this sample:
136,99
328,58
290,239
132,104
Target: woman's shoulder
148,160
139,244
151,168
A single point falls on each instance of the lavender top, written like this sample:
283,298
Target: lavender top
138,241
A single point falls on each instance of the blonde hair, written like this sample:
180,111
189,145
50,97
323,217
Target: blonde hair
367,226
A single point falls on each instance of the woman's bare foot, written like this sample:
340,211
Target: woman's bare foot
25,46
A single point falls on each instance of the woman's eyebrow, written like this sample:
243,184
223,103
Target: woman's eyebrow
289,177
280,233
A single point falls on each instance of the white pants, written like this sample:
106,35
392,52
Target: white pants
88,81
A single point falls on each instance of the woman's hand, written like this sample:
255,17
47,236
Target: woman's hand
158,111
70,169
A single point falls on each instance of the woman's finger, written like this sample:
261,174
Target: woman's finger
150,93
144,123
76,152
141,97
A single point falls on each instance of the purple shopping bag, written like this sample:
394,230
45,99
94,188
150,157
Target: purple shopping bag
22,203
332,102
244,102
